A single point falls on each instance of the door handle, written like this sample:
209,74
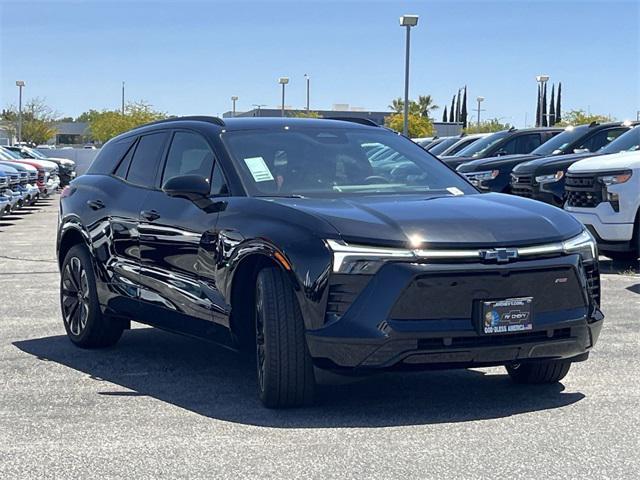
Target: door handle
150,215
95,204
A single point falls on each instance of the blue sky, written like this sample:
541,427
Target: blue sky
190,57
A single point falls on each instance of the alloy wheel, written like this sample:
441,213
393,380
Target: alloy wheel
75,296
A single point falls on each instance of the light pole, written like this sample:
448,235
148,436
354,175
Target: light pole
542,81
20,84
308,79
233,108
283,81
479,100
407,21
122,106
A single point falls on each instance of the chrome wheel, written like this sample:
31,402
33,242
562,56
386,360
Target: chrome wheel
75,296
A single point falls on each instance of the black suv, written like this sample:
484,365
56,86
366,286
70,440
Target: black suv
543,178
286,236
505,142
494,174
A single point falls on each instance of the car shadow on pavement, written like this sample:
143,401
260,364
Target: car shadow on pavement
219,383
619,266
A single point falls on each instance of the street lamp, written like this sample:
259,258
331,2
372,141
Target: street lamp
308,79
233,109
542,81
20,84
283,81
479,100
407,21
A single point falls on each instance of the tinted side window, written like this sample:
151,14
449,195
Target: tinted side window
189,154
527,143
146,159
123,167
600,139
109,156
218,183
509,148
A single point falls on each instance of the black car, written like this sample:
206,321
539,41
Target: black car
66,167
285,236
505,142
494,173
543,178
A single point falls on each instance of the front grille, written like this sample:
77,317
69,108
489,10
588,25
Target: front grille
593,282
583,191
494,340
522,185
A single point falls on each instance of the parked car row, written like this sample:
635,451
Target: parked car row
553,171
23,181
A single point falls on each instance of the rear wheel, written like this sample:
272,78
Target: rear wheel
551,371
84,322
284,366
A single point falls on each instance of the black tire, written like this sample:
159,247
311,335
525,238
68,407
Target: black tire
84,322
551,371
620,256
284,366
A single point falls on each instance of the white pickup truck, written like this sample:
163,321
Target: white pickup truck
603,192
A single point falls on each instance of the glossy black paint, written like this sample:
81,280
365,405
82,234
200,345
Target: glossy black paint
190,266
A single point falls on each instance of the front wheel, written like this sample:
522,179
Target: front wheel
86,325
550,371
284,366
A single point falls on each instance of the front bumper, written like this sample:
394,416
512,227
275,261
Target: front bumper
376,333
599,221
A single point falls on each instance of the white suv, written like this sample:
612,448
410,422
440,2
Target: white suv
603,192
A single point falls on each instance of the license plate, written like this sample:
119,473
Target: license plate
510,315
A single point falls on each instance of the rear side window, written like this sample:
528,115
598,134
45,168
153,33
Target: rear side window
189,154
601,138
109,156
146,158
123,167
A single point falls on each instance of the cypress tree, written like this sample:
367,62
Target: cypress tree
544,106
558,115
451,110
444,115
463,112
552,107
458,107
538,108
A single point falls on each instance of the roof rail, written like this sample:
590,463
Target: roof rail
360,120
194,118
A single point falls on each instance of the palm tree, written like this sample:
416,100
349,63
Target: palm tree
426,105
397,105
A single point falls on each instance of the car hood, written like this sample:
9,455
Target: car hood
611,162
491,163
454,161
480,220
62,161
543,165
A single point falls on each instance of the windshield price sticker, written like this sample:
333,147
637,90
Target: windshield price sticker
455,191
258,168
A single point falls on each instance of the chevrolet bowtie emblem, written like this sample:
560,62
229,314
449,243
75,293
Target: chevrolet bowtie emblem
500,255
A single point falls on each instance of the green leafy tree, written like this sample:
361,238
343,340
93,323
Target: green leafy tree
426,105
109,123
418,126
487,126
87,116
310,114
37,120
580,117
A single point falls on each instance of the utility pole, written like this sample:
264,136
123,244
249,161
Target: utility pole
479,100
308,81
283,81
407,21
122,106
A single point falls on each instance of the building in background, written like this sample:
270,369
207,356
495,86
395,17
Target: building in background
71,133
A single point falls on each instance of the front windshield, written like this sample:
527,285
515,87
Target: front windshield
337,162
629,141
560,142
35,153
10,155
443,145
478,149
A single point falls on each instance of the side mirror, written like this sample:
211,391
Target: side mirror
581,150
192,187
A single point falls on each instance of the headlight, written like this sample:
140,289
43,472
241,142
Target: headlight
361,259
554,177
482,176
615,178
584,244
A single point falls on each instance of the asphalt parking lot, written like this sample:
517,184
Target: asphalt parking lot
161,405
